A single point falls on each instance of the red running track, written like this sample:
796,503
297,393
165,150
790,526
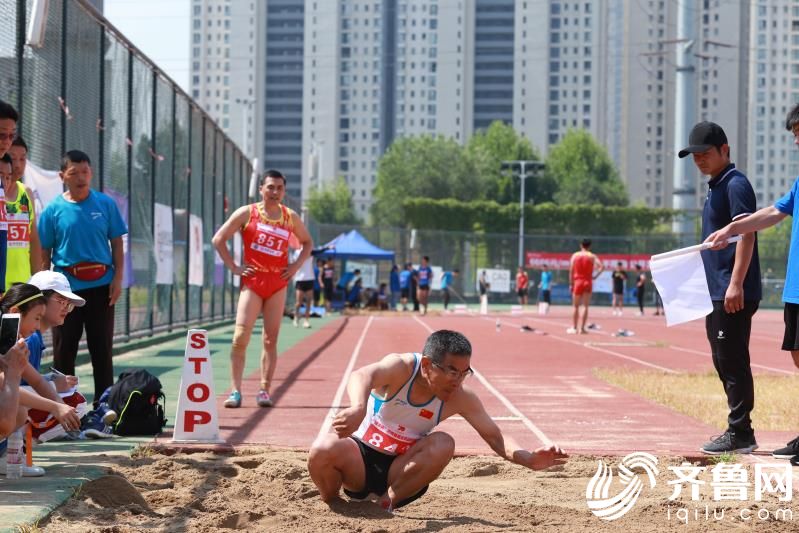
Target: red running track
539,386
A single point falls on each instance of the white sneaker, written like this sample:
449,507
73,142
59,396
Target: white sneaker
295,322
109,417
306,324
27,471
571,331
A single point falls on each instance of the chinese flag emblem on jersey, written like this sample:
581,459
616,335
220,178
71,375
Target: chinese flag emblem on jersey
424,413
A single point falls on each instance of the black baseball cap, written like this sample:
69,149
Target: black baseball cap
703,137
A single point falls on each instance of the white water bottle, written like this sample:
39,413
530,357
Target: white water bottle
14,455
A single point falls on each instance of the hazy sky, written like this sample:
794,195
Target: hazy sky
159,28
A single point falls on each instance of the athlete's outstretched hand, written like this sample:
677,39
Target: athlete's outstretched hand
542,458
347,421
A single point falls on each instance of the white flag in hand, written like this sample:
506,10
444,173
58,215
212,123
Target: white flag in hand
680,278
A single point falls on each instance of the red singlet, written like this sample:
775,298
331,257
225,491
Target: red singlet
582,272
266,244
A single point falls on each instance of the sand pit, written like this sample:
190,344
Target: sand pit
269,490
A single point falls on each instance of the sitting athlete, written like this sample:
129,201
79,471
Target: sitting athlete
384,444
265,230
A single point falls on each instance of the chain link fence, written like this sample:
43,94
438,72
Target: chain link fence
472,252
152,149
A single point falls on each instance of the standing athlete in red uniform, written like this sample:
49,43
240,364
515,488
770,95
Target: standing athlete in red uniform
581,277
265,230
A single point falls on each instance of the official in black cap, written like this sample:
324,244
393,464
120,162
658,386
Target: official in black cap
733,277
703,137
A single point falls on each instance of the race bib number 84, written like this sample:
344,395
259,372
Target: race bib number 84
384,439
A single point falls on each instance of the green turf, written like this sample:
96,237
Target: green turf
70,464
165,360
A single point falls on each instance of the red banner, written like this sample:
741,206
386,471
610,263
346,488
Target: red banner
560,260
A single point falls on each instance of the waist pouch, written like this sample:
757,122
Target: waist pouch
87,271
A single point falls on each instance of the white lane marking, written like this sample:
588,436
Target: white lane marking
669,346
495,418
507,403
598,349
755,365
342,387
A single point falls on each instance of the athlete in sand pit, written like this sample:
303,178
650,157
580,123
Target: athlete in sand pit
383,443
265,230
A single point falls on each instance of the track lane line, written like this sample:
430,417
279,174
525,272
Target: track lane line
507,403
677,348
755,365
342,386
598,349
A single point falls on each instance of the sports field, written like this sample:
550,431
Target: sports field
538,383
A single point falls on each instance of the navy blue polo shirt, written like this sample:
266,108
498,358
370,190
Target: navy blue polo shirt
729,197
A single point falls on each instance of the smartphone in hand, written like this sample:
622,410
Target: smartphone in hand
9,331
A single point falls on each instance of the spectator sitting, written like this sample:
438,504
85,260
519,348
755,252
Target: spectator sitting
12,363
30,303
356,276
60,302
382,297
354,296
369,296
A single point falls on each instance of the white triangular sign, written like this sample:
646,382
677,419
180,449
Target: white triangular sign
197,419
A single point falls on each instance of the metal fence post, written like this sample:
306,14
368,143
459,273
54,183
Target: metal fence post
190,136
64,31
154,149
129,168
101,123
202,205
172,195
21,24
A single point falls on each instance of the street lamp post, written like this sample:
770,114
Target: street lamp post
245,126
523,165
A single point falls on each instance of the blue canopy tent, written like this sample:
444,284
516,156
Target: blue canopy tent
351,245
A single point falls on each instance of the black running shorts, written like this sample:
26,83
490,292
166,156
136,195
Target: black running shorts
377,465
790,341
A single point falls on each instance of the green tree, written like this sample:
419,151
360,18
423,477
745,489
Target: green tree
584,172
332,204
423,166
500,142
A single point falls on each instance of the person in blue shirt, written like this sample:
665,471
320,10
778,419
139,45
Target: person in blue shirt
414,290
81,234
733,279
354,294
425,278
446,283
394,285
545,286
760,220
405,285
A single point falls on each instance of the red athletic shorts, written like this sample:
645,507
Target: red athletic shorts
264,285
581,286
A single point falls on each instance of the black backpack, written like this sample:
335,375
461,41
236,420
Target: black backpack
135,398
